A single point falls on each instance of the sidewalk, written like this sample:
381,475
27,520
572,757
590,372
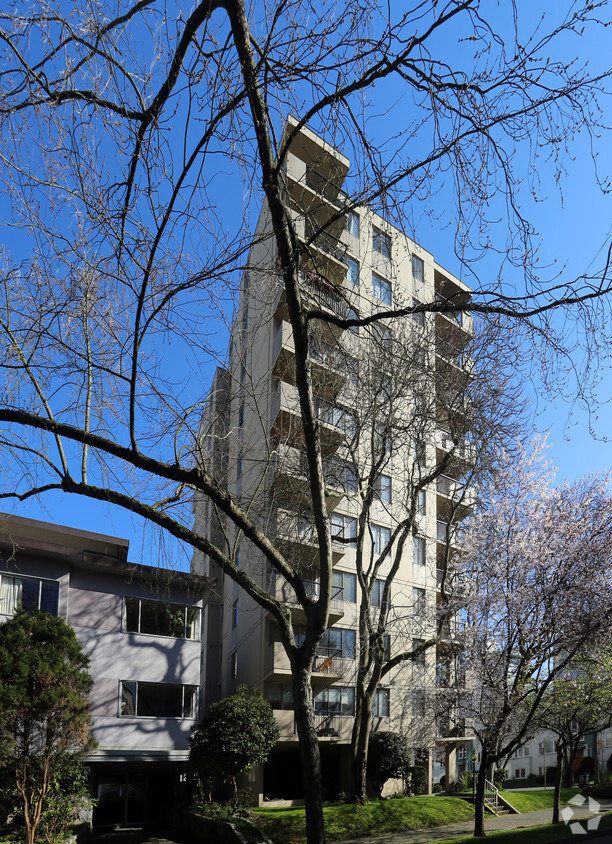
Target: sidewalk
457,830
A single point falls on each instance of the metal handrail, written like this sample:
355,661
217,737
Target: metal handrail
491,794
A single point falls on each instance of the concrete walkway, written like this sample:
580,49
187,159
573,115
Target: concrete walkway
458,830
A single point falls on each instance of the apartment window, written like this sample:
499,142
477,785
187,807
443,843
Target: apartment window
381,537
418,316
418,550
421,502
339,417
341,475
418,600
418,711
418,270
352,223
380,703
519,773
28,593
381,288
382,487
235,614
420,658
344,528
546,747
351,313
234,665
158,700
352,275
335,700
159,618
377,593
241,415
279,695
337,642
381,242
344,586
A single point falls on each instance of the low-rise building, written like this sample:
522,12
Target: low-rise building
141,628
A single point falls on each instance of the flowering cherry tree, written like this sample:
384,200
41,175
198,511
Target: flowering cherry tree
537,558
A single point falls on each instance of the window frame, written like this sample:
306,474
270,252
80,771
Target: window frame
351,588
41,582
419,551
384,695
382,289
352,275
416,277
353,223
185,608
192,714
345,706
383,486
382,242
378,543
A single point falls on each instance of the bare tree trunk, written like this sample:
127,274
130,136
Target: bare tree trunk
361,738
480,794
557,798
309,752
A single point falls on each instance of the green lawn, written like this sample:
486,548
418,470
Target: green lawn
533,835
344,820
532,801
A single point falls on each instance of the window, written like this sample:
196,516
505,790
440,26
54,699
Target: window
546,747
337,642
381,288
380,703
351,313
381,537
418,316
242,372
352,223
344,528
381,242
377,593
158,618
519,773
335,700
344,586
28,593
383,488
234,665
420,658
158,700
339,474
235,614
279,695
418,550
418,270
352,275
418,711
418,600
339,417
245,318
421,502
241,415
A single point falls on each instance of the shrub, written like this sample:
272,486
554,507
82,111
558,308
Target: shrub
388,756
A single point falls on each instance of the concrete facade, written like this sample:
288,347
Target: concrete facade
251,437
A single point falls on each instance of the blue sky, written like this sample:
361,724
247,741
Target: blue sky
573,224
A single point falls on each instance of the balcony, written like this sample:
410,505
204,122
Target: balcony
453,355
454,498
286,419
285,592
318,294
463,451
327,669
328,362
298,537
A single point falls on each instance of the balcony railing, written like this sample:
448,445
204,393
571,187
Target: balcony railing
330,664
457,316
322,294
326,242
319,183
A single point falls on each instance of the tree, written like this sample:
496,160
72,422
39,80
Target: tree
44,717
537,559
236,734
388,757
578,702
123,273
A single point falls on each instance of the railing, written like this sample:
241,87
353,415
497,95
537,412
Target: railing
329,664
324,295
326,354
329,726
326,242
491,795
456,316
319,183
451,354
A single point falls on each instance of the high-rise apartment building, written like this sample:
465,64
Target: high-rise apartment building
391,401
